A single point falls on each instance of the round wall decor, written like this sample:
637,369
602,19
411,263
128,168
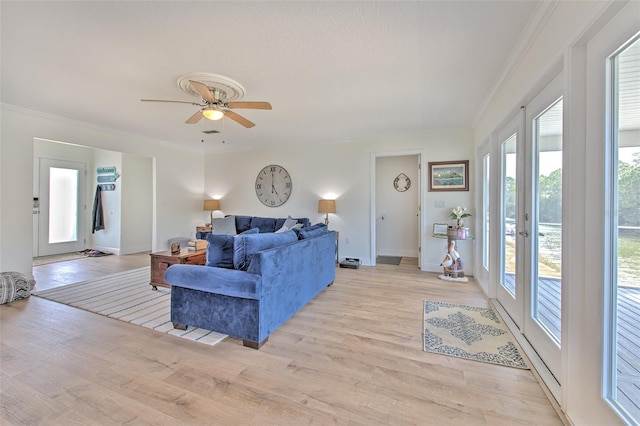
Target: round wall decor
402,182
273,185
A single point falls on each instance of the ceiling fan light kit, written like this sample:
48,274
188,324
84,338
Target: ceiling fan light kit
212,114
217,94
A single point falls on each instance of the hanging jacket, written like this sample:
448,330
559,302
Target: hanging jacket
97,217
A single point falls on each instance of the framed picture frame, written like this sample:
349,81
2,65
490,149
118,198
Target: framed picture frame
440,228
449,175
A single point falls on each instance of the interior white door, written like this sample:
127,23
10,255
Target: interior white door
62,207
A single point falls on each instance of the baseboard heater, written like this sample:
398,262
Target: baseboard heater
350,263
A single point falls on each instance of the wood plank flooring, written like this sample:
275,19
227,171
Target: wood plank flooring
352,356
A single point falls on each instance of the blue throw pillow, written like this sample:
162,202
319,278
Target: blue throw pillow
249,231
312,231
220,249
245,246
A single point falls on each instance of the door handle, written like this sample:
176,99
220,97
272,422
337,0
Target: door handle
524,233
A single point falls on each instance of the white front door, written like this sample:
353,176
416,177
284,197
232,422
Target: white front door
62,207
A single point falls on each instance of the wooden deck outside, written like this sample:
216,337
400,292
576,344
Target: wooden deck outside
628,359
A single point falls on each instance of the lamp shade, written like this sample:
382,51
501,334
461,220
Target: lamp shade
327,206
211,205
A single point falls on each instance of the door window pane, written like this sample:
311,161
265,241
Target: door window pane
485,211
547,234
509,199
624,388
63,202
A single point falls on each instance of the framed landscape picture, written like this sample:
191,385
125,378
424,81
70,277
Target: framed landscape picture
449,175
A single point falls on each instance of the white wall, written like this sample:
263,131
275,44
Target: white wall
397,212
342,171
178,179
136,184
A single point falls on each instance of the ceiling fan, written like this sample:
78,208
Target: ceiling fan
214,101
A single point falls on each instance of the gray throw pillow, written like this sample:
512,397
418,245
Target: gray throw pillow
290,223
224,225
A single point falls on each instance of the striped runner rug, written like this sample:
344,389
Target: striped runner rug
127,296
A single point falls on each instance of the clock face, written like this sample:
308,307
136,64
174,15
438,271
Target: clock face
273,186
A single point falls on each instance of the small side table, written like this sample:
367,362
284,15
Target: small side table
160,261
203,228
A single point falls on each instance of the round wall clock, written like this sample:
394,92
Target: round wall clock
273,186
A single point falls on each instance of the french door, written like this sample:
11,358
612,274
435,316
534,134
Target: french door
530,279
61,214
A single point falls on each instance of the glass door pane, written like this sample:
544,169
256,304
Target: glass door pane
485,210
509,213
547,229
63,202
624,388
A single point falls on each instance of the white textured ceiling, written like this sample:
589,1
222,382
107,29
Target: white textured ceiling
333,71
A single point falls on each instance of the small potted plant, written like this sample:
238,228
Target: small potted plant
458,213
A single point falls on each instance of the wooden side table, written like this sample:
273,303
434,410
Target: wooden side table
203,228
160,261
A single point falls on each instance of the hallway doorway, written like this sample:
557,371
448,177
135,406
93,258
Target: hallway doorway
396,199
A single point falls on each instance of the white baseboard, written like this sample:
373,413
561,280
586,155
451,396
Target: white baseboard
135,249
114,250
401,253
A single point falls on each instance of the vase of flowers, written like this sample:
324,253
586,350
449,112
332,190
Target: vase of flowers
458,213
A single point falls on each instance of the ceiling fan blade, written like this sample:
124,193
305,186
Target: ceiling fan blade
249,105
239,119
203,90
164,100
194,118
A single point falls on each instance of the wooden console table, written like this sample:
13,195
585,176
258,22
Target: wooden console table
160,261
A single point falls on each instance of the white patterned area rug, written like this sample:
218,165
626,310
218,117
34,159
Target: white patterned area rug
127,296
469,332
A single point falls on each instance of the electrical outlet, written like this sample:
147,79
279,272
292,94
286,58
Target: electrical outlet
438,204
347,240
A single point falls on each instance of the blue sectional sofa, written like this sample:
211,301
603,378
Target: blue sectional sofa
252,283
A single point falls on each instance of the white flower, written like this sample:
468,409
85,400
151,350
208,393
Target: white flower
459,212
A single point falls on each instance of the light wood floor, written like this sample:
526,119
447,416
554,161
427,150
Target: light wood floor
351,356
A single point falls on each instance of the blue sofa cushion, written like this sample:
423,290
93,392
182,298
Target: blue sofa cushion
244,246
220,249
243,223
265,224
312,231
